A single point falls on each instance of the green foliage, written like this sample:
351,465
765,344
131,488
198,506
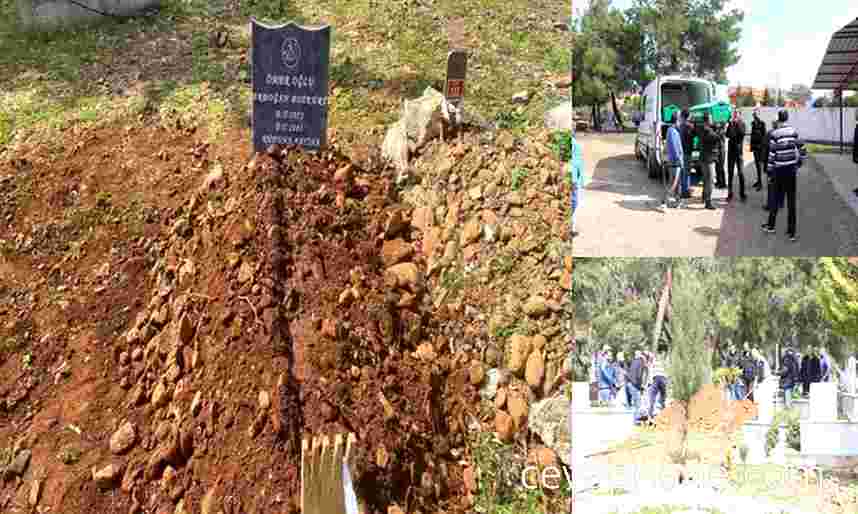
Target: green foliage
561,144
838,294
688,363
507,120
653,37
726,376
763,301
790,418
518,175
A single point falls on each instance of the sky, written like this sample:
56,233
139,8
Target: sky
780,46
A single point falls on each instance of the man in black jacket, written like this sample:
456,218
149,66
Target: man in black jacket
855,143
748,365
708,154
735,138
758,134
635,380
789,375
720,161
811,371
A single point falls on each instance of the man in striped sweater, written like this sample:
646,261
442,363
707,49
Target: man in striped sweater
786,156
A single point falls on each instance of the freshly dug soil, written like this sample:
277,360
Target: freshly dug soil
709,412
216,326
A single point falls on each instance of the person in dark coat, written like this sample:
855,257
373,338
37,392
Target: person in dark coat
708,155
855,144
635,380
730,359
811,371
721,159
735,141
758,134
790,375
748,365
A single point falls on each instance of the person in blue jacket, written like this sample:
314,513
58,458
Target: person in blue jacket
607,375
576,168
675,162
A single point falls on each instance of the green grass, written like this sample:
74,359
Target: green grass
381,53
671,509
496,493
518,176
817,148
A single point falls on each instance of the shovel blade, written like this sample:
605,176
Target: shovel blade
322,462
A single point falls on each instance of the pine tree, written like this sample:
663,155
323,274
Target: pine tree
688,367
838,294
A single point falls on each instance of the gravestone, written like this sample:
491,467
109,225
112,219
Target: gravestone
580,395
457,65
823,401
290,85
765,399
852,375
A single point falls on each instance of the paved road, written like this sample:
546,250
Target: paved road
620,215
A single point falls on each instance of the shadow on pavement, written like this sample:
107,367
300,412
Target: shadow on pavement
603,180
640,204
707,231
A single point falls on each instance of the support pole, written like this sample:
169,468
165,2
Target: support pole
840,92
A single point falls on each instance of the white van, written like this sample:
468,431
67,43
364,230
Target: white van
681,90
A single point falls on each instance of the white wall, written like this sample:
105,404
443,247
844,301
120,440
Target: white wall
820,125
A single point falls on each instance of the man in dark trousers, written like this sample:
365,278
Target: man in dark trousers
635,380
708,154
790,374
736,139
786,156
758,134
720,161
730,359
811,371
748,365
686,132
855,145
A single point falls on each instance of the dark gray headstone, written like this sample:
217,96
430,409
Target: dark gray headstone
457,65
290,85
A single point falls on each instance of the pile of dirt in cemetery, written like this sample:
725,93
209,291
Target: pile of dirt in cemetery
177,315
709,411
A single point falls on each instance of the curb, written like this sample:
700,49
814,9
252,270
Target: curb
848,196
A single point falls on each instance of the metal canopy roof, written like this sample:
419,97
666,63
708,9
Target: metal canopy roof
839,66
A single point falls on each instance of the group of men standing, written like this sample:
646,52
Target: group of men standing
779,153
753,369
641,379
795,370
